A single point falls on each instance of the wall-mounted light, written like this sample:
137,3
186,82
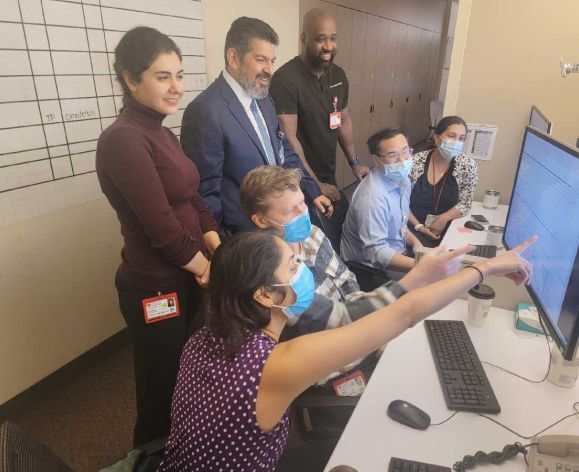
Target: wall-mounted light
568,68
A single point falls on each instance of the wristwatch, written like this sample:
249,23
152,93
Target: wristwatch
354,162
418,226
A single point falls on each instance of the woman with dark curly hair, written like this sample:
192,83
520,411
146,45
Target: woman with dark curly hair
236,381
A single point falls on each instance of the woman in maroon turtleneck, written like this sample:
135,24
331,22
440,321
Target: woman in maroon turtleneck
167,229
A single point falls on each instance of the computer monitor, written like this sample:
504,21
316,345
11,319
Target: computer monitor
540,121
545,202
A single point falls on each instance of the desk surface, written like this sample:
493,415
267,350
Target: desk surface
507,294
406,371
454,238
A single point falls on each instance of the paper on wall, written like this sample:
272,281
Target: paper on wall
480,141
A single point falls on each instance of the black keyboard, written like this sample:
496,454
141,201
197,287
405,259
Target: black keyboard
484,251
463,380
404,465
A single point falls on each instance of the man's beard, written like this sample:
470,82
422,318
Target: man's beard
316,62
250,86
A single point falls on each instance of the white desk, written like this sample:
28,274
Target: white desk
406,371
454,238
507,294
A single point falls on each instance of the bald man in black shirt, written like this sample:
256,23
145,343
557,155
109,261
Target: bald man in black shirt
311,98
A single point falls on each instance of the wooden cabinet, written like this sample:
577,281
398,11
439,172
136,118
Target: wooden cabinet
394,71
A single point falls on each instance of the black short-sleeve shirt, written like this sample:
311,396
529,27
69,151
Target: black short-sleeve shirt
297,91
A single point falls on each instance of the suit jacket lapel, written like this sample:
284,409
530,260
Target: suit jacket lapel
236,109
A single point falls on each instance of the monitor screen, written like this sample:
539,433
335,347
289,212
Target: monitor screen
539,120
545,202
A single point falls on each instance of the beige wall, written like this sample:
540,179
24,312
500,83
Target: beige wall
58,295
281,15
510,62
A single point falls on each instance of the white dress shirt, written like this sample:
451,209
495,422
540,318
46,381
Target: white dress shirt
245,100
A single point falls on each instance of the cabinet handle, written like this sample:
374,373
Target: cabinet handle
419,96
407,98
391,104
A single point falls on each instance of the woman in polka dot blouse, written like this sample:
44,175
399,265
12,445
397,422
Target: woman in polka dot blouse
236,382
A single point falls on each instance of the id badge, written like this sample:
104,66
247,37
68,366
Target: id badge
350,386
335,119
161,308
429,220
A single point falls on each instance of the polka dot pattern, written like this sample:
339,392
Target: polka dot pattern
213,422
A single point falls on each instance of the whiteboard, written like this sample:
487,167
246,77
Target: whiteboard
58,91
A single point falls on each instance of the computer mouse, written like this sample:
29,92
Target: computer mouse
474,225
408,414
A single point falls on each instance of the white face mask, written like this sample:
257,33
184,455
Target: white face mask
398,171
449,148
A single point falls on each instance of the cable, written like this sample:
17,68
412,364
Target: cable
495,457
575,407
525,378
447,419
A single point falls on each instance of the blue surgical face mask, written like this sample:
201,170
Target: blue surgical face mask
296,230
449,148
303,285
398,171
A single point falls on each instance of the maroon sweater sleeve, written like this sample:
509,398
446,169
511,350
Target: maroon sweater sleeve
126,160
206,220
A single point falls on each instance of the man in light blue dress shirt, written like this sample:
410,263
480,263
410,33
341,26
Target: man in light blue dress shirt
375,231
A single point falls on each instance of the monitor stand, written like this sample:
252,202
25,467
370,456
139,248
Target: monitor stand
561,372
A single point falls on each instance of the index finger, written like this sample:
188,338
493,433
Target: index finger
525,244
459,252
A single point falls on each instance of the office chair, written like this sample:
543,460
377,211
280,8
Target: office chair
21,452
436,110
145,458
369,278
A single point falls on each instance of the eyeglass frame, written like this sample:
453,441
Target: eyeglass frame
397,154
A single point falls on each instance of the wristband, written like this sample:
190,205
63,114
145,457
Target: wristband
395,288
479,272
355,162
418,226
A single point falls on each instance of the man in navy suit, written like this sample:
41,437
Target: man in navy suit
232,127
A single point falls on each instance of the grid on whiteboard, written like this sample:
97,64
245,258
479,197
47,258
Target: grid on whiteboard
58,91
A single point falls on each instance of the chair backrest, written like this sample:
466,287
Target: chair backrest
21,452
332,227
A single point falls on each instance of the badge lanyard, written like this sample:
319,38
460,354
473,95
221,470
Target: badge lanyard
335,120
436,201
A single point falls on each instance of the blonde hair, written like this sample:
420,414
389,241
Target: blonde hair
264,182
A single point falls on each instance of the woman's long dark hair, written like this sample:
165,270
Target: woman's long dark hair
137,50
448,121
240,266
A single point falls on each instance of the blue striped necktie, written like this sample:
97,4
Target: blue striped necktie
263,132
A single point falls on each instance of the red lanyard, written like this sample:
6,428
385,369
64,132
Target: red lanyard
436,201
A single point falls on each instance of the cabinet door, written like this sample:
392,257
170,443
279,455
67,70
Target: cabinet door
344,23
400,77
422,110
436,66
363,127
412,85
356,79
384,76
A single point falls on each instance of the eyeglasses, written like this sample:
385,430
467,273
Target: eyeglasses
406,153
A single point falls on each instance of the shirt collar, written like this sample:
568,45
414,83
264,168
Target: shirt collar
239,91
